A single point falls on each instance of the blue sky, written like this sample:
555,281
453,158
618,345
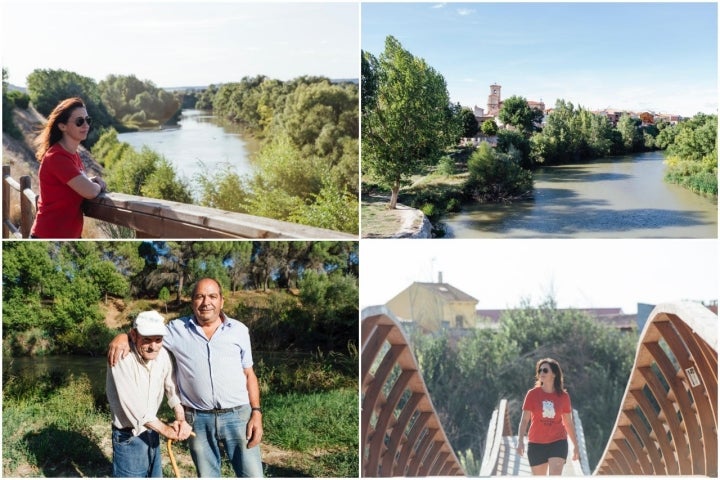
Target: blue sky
579,273
180,43
654,56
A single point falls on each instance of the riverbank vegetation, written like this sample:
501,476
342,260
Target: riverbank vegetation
594,358
307,167
299,300
692,155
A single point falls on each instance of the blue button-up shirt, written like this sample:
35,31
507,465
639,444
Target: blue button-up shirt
210,372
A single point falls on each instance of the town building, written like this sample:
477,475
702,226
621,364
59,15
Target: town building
431,307
494,104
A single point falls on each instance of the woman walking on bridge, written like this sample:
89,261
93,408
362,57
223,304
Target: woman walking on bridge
63,182
548,411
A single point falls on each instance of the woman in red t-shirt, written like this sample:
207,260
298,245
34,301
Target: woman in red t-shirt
63,182
547,409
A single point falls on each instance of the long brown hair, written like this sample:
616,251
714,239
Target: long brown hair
558,384
51,133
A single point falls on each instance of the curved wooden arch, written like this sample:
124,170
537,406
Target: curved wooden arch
667,424
401,434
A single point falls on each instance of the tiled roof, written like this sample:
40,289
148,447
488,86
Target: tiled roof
448,292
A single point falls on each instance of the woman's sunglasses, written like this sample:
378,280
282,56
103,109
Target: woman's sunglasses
543,370
80,121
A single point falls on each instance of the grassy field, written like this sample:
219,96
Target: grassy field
53,426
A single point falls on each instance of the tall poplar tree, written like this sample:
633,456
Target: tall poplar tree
407,120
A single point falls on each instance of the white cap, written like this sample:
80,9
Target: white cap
150,324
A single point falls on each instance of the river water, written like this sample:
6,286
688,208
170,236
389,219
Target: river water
621,197
201,143
95,367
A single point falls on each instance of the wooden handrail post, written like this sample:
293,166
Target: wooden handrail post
27,209
5,202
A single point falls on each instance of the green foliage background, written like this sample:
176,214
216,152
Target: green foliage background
467,380
53,292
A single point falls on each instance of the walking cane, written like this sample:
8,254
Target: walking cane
172,457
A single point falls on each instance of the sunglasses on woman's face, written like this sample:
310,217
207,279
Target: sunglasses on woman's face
80,121
543,370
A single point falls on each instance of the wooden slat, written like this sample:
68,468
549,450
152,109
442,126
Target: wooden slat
409,442
683,435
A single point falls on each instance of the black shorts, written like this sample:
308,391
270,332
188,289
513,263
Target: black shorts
539,453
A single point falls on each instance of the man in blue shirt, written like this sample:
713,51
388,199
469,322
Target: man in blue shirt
216,382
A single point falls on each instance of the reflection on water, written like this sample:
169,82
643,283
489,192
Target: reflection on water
34,367
624,197
95,367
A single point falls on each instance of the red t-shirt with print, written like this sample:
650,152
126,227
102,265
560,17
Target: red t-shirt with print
546,411
59,213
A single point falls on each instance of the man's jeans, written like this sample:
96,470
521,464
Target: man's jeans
136,456
229,430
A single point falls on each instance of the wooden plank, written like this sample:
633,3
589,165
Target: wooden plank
193,221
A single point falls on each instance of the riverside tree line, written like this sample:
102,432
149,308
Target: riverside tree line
468,378
56,294
410,127
306,168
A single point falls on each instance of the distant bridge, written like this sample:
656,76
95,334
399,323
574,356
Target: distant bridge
153,218
666,425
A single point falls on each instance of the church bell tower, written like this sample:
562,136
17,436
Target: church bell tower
494,100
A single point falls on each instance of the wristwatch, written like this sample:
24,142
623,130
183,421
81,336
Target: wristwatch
256,409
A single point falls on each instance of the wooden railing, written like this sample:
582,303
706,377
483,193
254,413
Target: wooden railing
667,424
401,434
152,218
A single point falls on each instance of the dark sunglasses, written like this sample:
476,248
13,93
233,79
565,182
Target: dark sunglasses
543,370
80,121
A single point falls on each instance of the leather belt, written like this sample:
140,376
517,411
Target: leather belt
214,411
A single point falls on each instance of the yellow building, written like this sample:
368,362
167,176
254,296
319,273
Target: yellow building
433,306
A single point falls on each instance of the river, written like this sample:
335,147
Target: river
620,197
201,143
95,367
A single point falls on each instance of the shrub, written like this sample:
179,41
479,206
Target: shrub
497,176
19,99
446,166
429,210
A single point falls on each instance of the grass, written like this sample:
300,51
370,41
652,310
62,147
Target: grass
325,424
54,426
432,191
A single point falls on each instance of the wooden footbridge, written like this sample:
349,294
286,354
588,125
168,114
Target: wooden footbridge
666,424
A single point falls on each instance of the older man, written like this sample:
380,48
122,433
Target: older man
217,385
135,387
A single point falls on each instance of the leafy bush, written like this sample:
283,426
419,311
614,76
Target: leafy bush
497,176
429,210
446,166
20,100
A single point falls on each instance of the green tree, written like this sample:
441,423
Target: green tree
47,88
409,125
507,140
517,112
489,127
495,175
8,124
139,102
692,157
629,129
469,123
